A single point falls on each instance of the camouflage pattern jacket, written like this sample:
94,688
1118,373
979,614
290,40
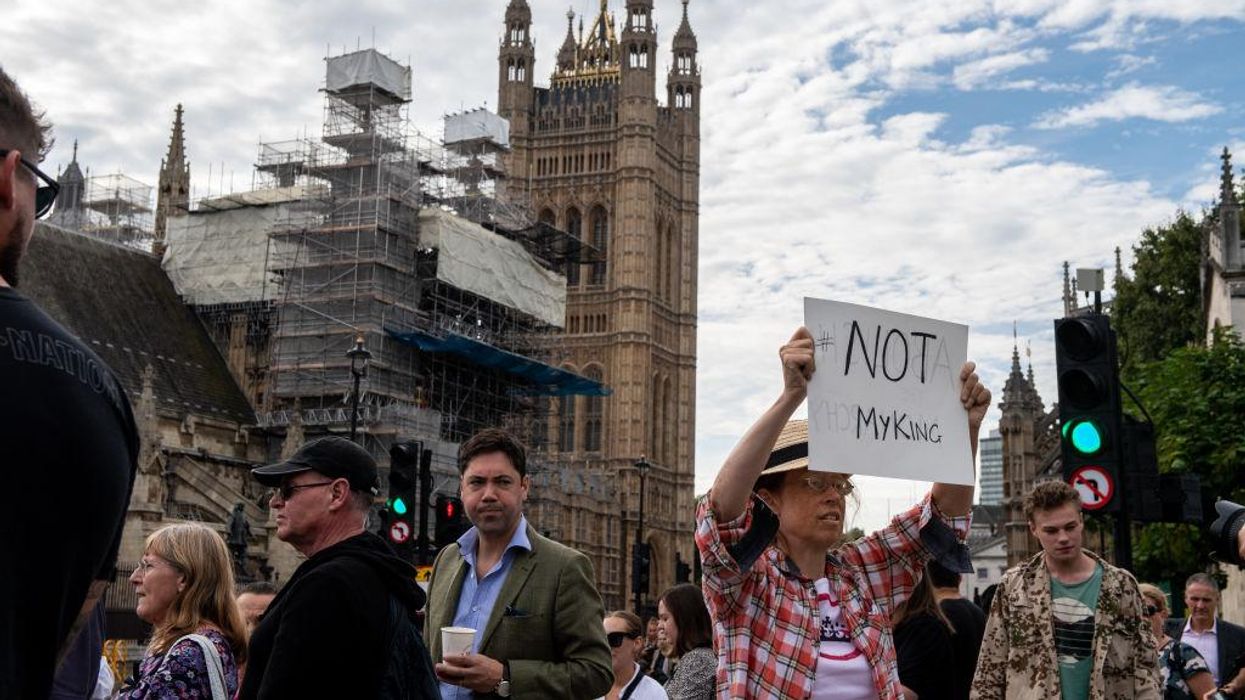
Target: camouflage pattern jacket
1017,660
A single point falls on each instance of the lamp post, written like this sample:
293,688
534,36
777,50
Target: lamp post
641,466
359,356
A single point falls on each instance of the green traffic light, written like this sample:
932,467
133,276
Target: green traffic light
1086,438
399,505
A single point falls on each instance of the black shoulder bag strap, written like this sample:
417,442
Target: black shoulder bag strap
635,683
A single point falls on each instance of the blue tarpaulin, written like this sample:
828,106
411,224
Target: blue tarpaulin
545,380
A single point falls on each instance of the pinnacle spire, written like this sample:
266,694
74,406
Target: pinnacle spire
1119,266
684,37
1227,191
173,191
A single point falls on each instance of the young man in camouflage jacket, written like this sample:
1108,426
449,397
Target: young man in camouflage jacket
1066,624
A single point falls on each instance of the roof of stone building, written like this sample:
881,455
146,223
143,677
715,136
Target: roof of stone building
119,302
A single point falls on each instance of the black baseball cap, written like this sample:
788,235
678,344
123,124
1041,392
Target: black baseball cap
334,457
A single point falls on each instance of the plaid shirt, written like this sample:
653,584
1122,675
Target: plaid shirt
766,619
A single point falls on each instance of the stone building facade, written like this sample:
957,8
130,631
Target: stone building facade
597,155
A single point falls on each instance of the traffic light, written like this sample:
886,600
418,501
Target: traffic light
402,507
451,520
682,570
1089,409
641,555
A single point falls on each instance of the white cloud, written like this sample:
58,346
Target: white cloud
1164,103
1130,63
973,74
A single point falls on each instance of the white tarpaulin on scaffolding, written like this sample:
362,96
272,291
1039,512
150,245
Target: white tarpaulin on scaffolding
221,256
479,261
368,67
476,124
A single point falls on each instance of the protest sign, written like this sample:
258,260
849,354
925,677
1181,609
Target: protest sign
885,399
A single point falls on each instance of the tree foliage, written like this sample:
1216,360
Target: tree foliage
1194,393
1159,308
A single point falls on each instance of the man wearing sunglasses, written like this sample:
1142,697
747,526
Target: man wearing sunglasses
343,624
66,434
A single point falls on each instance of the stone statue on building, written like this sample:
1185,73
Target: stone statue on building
239,536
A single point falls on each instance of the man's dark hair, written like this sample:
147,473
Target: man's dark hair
258,588
492,440
21,127
686,604
941,576
1050,495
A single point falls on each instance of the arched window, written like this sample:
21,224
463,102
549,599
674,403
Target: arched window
574,226
594,414
659,419
521,75
672,263
633,57
600,241
546,216
660,268
644,56
670,426
687,99
566,422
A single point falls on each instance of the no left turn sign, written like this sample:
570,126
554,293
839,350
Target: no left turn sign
1094,485
399,532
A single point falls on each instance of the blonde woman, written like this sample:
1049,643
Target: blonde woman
1183,673
184,584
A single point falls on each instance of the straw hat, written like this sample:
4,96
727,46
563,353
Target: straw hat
791,450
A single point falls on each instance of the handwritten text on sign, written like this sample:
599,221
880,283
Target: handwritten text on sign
885,399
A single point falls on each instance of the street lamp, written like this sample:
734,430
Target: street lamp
641,466
359,356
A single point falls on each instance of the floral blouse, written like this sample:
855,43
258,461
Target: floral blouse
182,672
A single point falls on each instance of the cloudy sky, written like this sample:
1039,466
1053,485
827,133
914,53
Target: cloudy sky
938,157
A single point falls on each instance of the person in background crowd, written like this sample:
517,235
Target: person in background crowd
923,645
624,632
1183,673
343,625
1220,642
1065,624
654,662
66,429
685,636
253,599
529,599
797,613
968,623
184,584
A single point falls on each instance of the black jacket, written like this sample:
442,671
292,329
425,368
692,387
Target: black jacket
1230,639
326,634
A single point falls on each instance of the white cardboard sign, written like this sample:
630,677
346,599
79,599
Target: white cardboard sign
885,399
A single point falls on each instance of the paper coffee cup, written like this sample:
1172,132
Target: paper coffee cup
457,640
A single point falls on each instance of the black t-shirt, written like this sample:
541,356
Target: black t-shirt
923,645
970,626
68,451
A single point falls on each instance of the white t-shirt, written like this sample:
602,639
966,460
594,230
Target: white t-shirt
843,671
648,689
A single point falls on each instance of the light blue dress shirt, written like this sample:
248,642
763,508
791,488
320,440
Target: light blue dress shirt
479,593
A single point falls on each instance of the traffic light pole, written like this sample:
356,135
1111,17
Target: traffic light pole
425,500
642,467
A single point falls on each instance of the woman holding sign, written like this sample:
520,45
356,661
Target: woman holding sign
797,613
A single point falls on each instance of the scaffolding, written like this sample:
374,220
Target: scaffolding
374,247
118,210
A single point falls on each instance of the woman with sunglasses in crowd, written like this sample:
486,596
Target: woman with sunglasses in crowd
797,613
685,636
184,584
1183,673
625,633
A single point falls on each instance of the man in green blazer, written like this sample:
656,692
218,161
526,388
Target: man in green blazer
531,601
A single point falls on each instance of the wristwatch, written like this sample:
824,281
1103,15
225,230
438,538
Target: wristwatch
503,686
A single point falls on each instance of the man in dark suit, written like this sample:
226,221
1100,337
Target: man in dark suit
1221,643
530,600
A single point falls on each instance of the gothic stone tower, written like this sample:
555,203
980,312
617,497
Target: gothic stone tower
173,195
596,155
